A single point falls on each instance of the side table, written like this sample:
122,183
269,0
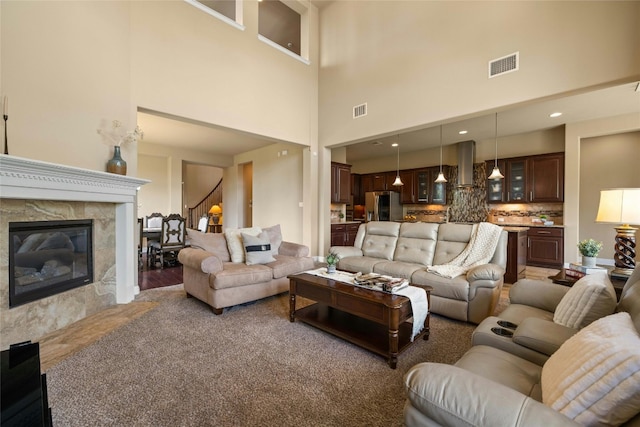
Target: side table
562,279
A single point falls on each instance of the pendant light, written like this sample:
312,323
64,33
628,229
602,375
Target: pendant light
398,182
441,177
496,174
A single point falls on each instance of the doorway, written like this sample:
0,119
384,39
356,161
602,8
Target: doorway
247,193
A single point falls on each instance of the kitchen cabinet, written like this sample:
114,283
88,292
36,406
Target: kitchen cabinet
340,182
546,178
516,255
428,191
408,190
545,247
534,179
380,181
356,189
344,234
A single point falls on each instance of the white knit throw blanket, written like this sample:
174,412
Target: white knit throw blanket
479,250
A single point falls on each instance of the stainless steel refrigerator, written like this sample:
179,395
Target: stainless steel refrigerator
383,206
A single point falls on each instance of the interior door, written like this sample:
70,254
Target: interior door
247,202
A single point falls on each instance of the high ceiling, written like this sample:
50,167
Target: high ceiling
623,99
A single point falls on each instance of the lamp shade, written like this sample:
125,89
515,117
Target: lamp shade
619,206
215,210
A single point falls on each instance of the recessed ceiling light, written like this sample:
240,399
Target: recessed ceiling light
556,114
463,132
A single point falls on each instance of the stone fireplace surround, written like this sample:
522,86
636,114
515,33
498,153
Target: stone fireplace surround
32,190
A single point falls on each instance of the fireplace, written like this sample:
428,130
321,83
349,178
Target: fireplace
36,191
48,257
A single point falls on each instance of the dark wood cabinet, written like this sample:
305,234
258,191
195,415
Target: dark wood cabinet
516,256
408,190
545,247
534,179
344,234
340,182
356,189
428,191
546,178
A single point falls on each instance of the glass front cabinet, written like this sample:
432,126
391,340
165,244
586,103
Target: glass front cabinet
428,191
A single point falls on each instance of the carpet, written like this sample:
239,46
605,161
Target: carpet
180,365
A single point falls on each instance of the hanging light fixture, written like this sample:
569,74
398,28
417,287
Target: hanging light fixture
441,177
496,174
398,182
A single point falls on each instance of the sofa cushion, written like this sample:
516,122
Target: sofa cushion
234,241
275,236
590,298
240,274
416,243
593,377
456,288
363,264
397,268
257,249
504,368
380,240
210,242
452,240
285,265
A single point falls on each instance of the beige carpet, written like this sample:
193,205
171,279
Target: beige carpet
180,365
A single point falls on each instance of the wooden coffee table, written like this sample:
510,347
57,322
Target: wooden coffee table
374,320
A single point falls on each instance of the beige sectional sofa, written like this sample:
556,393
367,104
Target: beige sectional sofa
592,378
216,272
409,249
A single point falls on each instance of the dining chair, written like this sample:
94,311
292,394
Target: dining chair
172,240
140,238
154,221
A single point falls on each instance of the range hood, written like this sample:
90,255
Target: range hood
466,158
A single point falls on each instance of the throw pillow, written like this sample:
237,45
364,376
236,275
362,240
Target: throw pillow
257,249
210,242
593,377
275,236
234,241
590,298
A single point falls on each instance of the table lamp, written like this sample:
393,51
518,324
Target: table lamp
215,211
621,206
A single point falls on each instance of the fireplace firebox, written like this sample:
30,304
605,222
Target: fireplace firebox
48,257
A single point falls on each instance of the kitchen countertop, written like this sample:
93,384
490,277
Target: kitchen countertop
346,222
527,226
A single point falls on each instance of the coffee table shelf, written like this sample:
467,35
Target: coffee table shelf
356,330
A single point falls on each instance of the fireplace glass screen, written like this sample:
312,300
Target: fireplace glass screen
48,257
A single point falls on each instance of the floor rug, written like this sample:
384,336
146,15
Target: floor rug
181,365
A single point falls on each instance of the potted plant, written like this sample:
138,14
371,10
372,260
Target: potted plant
589,249
332,261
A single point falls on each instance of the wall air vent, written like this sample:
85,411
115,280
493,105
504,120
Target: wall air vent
360,110
506,64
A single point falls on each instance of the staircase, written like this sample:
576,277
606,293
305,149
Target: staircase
202,208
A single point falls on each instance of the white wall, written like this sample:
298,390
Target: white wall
421,62
66,71
574,135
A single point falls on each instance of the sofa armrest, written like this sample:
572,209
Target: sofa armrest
293,249
537,293
452,396
200,259
345,251
542,335
491,272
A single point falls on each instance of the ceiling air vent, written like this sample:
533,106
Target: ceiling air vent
504,65
360,110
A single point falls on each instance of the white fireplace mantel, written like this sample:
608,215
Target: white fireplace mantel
22,178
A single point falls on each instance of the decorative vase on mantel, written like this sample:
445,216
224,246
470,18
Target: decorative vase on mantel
117,163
